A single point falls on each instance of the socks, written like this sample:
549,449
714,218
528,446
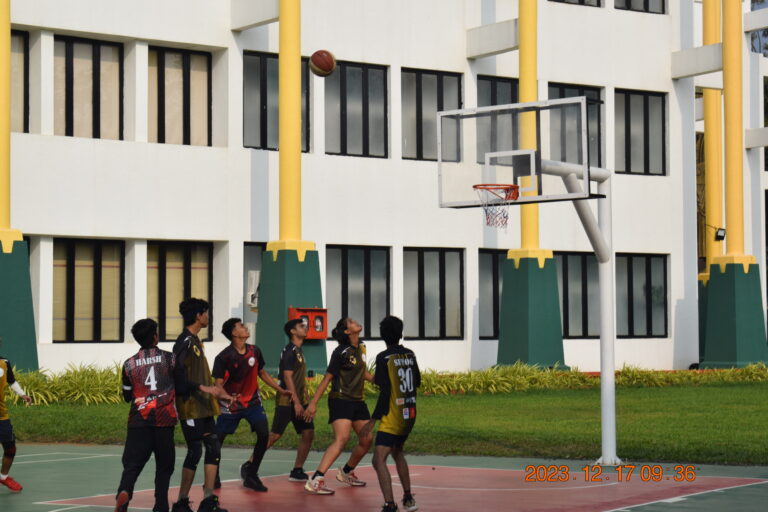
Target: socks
207,493
317,474
3,477
348,469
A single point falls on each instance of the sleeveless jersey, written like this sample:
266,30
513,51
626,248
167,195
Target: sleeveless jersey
148,376
398,376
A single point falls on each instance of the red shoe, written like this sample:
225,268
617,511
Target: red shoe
11,484
121,503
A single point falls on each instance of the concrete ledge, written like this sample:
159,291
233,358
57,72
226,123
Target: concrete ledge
697,61
756,20
248,14
755,138
493,39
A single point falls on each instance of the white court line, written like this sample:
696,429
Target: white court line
46,454
99,456
67,508
511,489
721,489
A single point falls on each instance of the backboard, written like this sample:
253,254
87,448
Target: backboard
526,144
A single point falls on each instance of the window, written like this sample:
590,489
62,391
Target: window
563,121
652,6
424,94
578,284
433,286
641,296
641,145
491,261
19,81
591,3
260,101
179,96
356,110
357,285
176,271
88,88
501,130
759,37
88,290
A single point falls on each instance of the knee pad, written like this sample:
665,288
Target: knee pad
9,449
194,452
212,449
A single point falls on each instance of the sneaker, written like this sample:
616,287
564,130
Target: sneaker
349,478
317,486
11,484
389,507
298,475
210,504
121,502
217,482
244,469
253,482
182,506
409,504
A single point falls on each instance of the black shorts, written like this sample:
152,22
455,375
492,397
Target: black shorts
6,432
198,429
391,440
339,409
285,414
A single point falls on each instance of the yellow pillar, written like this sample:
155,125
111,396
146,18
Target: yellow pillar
289,132
733,35
7,235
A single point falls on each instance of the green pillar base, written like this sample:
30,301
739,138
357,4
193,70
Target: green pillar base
17,317
735,322
530,328
288,282
702,318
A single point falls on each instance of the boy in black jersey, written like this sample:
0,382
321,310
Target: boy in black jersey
398,376
292,375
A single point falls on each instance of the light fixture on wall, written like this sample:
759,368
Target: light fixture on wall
719,234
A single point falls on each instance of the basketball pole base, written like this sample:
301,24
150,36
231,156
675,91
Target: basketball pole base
18,342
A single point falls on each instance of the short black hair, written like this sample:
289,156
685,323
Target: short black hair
391,329
290,324
226,327
190,308
144,332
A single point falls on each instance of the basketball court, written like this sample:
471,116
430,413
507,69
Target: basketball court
439,483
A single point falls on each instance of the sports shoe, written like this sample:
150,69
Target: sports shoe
389,507
11,484
316,485
253,482
210,504
298,475
121,502
244,469
182,506
409,504
349,478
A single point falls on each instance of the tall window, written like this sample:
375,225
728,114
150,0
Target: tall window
357,285
260,101
356,110
179,96
19,81
641,145
88,88
563,145
88,290
652,6
433,288
491,261
176,271
641,296
591,3
424,94
500,130
578,284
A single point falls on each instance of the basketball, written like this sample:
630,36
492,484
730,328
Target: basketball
322,63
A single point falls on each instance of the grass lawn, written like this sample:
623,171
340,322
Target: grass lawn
725,424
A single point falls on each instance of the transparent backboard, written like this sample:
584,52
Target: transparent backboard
532,145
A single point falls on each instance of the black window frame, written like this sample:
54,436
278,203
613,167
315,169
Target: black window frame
163,246
578,2
441,274
70,244
564,295
496,270
646,130
646,9
25,36
582,90
186,114
263,120
648,297
341,69
368,322
440,75
69,97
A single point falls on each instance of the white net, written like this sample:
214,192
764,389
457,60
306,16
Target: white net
494,200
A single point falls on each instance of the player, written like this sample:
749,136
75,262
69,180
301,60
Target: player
196,405
7,438
347,409
398,376
237,369
292,376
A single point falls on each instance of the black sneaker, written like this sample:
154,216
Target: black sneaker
389,507
253,482
217,482
298,475
244,469
210,504
182,506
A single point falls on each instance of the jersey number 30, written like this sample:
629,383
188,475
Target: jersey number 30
151,380
406,379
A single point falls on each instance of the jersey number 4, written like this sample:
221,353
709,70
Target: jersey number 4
151,380
406,379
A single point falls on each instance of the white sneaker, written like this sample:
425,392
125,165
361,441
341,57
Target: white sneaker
349,478
316,485
410,505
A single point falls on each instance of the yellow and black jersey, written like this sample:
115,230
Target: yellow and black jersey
398,376
192,370
347,366
292,360
6,379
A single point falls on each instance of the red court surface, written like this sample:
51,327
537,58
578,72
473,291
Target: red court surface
447,489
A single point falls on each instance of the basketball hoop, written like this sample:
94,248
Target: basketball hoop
494,197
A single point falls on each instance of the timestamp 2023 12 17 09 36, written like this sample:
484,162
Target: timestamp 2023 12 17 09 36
622,473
